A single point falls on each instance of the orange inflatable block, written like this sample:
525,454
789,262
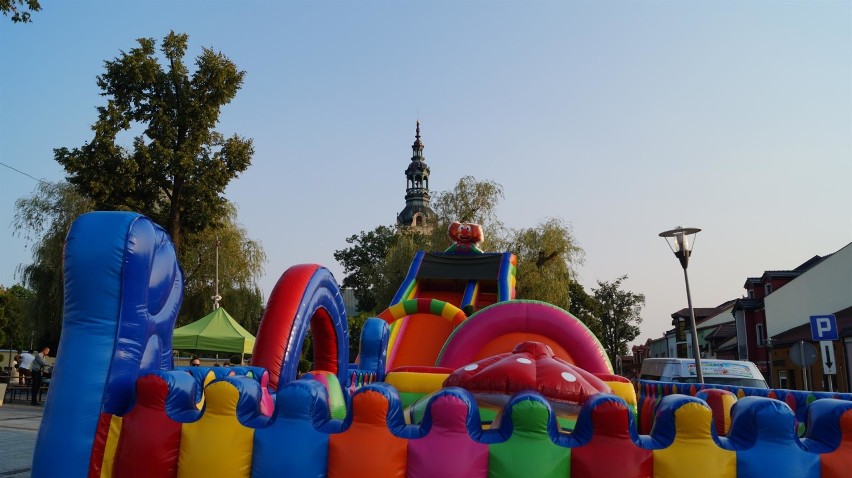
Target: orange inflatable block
838,463
368,449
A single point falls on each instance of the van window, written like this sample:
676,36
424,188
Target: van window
732,381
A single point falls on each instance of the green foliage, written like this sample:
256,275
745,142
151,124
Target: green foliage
176,170
22,14
378,261
620,316
241,262
356,324
43,219
394,267
470,200
361,263
584,307
547,257
15,309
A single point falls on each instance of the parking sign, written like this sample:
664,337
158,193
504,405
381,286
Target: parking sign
824,327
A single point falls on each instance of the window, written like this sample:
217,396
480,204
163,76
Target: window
758,331
418,220
751,293
767,289
782,379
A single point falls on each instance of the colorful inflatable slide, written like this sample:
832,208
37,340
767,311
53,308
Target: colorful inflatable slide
454,379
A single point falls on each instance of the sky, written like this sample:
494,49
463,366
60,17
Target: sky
624,119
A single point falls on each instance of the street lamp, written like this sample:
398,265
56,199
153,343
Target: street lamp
680,245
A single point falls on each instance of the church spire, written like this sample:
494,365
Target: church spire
417,213
417,147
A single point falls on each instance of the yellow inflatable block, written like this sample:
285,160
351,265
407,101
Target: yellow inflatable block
217,444
694,454
416,382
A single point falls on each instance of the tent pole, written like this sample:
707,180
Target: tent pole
217,297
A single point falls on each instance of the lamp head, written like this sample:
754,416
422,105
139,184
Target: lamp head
679,242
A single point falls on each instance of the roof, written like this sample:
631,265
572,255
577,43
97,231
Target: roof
791,273
748,304
703,313
723,332
215,332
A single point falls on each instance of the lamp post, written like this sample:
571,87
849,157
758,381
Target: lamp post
680,245
768,344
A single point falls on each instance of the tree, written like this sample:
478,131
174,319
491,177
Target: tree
584,307
45,217
241,262
18,15
619,316
361,263
178,168
470,200
547,257
15,305
394,267
378,261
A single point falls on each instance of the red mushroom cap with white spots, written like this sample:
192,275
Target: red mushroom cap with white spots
530,366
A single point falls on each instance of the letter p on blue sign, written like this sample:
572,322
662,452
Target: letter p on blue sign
824,327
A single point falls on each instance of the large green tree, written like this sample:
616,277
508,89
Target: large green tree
362,263
19,9
620,315
177,169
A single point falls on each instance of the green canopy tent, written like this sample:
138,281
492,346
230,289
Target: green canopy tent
215,332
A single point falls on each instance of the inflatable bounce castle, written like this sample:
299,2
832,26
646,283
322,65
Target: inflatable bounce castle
455,379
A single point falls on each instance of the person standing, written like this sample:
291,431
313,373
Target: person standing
24,367
36,371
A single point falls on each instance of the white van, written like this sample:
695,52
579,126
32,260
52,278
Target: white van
719,372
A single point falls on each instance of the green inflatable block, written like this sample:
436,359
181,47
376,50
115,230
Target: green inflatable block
529,453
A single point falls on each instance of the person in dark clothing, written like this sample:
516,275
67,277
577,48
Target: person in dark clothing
37,370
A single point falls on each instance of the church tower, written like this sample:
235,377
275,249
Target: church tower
418,214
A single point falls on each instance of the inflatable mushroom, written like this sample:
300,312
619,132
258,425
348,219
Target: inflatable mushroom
530,366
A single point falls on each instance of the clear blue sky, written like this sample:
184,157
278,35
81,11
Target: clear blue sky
623,118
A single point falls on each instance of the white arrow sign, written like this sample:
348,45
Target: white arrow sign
829,366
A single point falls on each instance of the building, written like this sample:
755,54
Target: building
418,213
751,317
707,319
823,288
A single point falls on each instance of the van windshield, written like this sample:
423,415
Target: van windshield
733,381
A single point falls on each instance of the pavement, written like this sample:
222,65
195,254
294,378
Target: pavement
19,422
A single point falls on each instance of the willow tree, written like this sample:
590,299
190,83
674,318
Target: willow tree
177,169
548,256
44,218
240,265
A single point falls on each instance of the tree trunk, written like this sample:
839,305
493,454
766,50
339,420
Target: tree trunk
174,214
